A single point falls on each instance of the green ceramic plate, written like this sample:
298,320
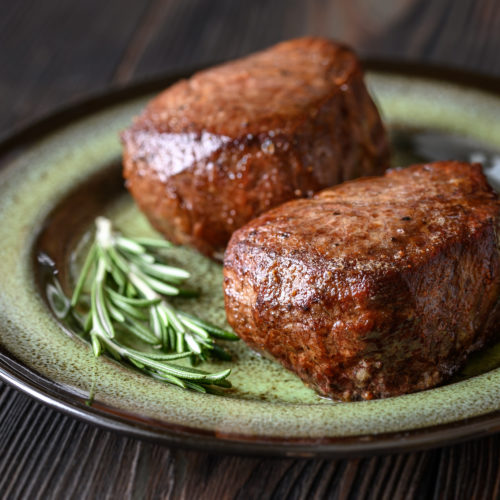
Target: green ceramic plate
58,175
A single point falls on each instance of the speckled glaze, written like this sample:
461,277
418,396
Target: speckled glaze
268,403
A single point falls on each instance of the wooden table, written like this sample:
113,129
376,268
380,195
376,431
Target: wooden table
54,52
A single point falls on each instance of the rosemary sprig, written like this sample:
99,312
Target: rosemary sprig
121,294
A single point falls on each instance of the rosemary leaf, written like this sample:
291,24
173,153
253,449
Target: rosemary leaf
160,286
134,312
219,353
179,341
153,243
172,337
214,330
194,327
97,325
164,272
139,330
130,290
155,322
172,317
139,259
118,277
191,342
83,275
223,382
130,245
88,323
137,363
115,313
96,345
195,387
100,301
119,261
170,378
218,377
133,301
160,356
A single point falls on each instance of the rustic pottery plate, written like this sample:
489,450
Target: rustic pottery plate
59,174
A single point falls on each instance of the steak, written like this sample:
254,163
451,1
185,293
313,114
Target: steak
374,288
212,152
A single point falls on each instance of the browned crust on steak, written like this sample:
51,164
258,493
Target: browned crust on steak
212,152
374,288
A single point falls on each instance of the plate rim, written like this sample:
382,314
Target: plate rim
28,381
44,390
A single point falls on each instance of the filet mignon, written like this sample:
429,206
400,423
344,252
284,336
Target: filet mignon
374,288
212,152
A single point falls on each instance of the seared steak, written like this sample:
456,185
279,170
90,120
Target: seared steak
374,288
212,152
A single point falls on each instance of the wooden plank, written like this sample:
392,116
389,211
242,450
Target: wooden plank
49,455
199,31
55,52
460,34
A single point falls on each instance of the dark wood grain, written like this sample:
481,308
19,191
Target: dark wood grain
48,455
54,52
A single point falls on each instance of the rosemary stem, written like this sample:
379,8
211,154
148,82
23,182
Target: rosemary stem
104,234
130,284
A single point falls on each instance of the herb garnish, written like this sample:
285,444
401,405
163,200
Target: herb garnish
120,301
